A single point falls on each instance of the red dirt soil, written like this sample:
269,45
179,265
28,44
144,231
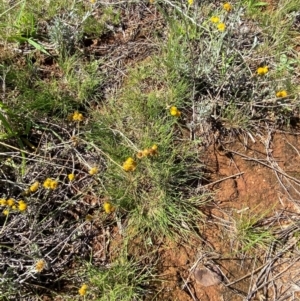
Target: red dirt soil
257,190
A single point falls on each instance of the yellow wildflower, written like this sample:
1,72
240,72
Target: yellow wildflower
108,207
3,202
129,165
281,94
146,152
151,1
40,265
71,177
10,202
5,212
215,19
262,70
175,112
22,206
47,183
93,171
53,184
82,290
140,154
92,1
14,207
50,184
221,27
34,187
190,2
227,6
153,150
77,116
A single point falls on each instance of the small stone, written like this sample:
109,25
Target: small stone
207,277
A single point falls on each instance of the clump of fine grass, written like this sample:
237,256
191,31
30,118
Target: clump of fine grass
251,235
123,280
155,192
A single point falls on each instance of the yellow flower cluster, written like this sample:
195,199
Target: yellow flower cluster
147,152
34,187
129,165
215,19
76,116
93,171
82,291
108,207
22,206
175,112
71,177
40,265
281,94
227,6
50,184
220,25
190,2
11,204
262,70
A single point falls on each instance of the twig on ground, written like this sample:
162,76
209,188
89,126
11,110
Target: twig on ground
218,181
262,163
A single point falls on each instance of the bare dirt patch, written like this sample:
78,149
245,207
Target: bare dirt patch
268,183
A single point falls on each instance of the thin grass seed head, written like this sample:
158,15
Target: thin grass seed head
215,19
227,6
129,165
281,94
93,171
221,27
83,290
262,70
10,202
34,187
22,206
71,177
175,112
